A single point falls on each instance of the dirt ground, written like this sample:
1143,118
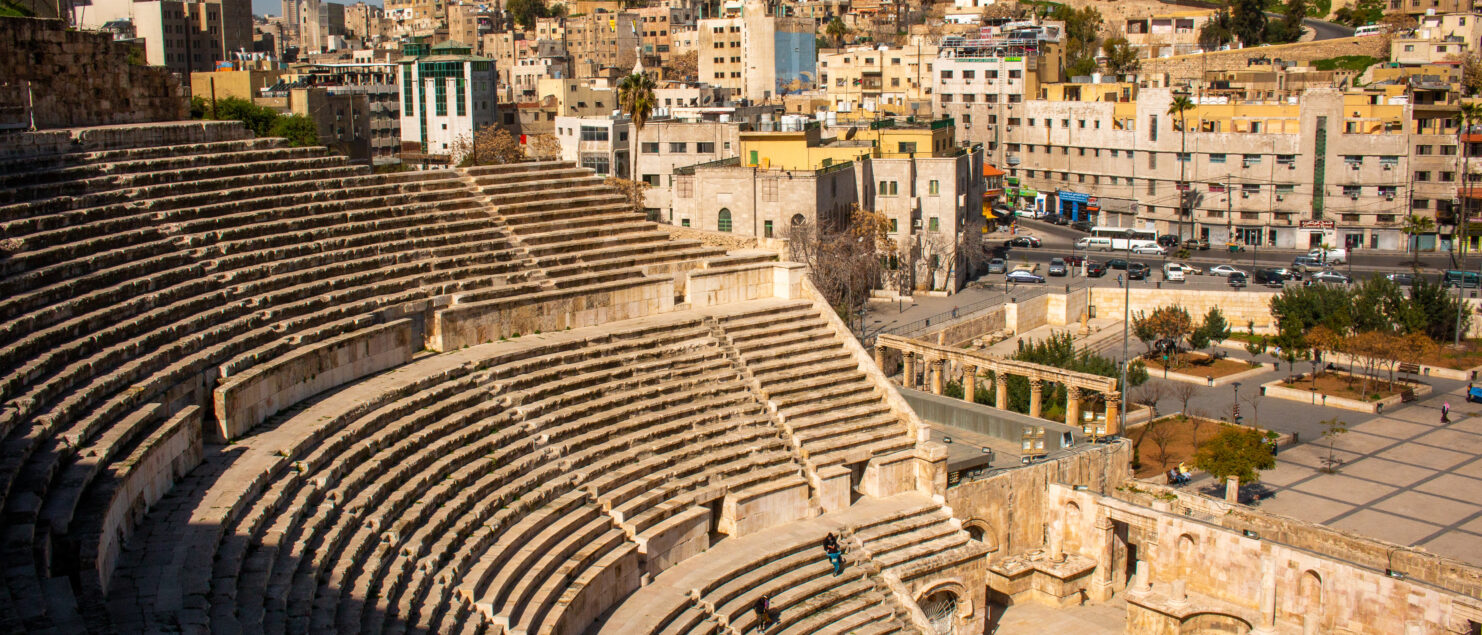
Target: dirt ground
1335,385
1179,445
1199,365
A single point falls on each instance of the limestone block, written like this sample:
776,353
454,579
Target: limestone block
764,506
835,491
675,540
889,475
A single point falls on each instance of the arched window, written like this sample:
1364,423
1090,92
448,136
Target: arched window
797,219
723,220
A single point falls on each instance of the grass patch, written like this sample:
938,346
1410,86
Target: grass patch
9,9
1356,63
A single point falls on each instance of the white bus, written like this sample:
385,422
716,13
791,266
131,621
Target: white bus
1119,237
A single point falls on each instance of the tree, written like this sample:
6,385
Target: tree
1161,434
1121,57
544,146
1360,13
526,12
837,31
1171,322
1214,329
490,145
843,262
685,66
1142,329
1299,308
631,190
1296,11
636,97
300,131
1183,392
1415,227
1082,27
1235,451
1216,32
1248,21
1331,430
1180,107
1255,345
1471,74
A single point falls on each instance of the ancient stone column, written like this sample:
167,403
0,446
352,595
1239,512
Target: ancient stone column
1268,599
908,374
1055,549
1113,412
1001,391
936,376
880,357
1105,576
1072,406
1232,489
969,382
1036,390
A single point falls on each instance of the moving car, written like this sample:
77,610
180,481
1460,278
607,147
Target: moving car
1058,267
1237,280
1022,241
1331,256
1137,271
1197,243
1116,263
1270,277
1289,274
1330,276
1021,276
1224,270
1402,279
1463,279
1095,269
1093,243
1307,263
997,265
1081,226
1173,272
1148,249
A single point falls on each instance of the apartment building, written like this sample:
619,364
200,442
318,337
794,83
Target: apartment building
435,10
599,143
446,95
181,36
364,21
579,97
656,31
1292,171
604,40
1437,39
665,145
976,81
787,173
1167,34
758,53
892,81
468,23
1424,7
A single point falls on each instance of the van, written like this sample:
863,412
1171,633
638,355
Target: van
1463,279
1370,29
1332,256
1094,243
1173,272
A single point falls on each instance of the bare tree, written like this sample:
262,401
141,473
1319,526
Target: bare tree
490,145
1183,392
631,190
544,146
1161,436
844,262
1148,395
1254,401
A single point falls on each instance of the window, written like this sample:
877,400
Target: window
1423,149
1183,157
1449,151
1214,158
684,222
1015,74
597,163
1251,159
933,224
1422,175
946,74
1285,188
969,74
906,147
679,147
1352,190
894,226
705,147
1152,128
723,220
651,147
888,188
1286,159
933,188
766,229
1152,160
593,133
1447,177
651,179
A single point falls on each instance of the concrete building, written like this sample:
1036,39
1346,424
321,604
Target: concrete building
1425,7
892,81
1323,167
928,187
364,21
320,23
469,23
598,143
181,36
243,84
1438,39
665,145
446,96
977,81
757,53
579,98
417,9
1167,34
656,26
604,41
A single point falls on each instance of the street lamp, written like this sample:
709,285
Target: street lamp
1235,409
1126,323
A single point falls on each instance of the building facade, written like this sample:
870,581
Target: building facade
599,143
446,96
892,81
757,53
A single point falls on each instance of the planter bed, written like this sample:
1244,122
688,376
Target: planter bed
1303,393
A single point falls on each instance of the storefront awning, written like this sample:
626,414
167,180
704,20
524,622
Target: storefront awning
989,170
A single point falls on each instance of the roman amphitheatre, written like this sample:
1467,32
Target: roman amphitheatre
251,388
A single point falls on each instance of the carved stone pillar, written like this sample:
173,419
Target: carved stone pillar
936,376
880,357
1000,391
1105,576
1072,406
908,374
1268,599
1036,390
969,382
1113,413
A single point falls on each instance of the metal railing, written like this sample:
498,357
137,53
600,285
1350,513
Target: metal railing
718,163
1013,293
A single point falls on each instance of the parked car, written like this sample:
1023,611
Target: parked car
1197,243
1168,240
1022,241
1330,276
1270,277
1058,267
1289,274
1307,263
1095,269
1074,261
1024,277
1081,226
997,265
1137,271
1149,249
1224,270
1237,280
1061,220
1402,279
1173,272
1191,269
1116,263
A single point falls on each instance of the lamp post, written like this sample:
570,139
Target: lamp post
1235,408
1126,324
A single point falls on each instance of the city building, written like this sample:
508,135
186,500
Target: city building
364,21
579,98
446,95
598,143
603,41
1437,39
182,36
1167,34
878,80
757,53
977,81
656,26
665,145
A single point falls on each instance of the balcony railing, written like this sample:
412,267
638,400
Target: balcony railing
718,163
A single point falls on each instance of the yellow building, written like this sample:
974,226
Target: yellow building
244,84
871,80
792,145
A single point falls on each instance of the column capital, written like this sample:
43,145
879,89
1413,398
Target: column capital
1073,392
1036,384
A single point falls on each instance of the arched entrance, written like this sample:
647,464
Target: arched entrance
723,220
941,610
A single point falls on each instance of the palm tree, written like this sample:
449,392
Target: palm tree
636,97
836,30
1181,105
1416,226
1471,113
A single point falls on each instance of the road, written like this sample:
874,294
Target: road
1324,30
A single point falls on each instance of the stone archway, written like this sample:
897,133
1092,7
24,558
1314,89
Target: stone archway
945,608
979,530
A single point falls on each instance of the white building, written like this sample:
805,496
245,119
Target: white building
445,97
599,143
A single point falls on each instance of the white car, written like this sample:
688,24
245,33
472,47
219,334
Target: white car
1148,249
1224,270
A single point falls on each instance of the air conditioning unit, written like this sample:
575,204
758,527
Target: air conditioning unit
916,223
1389,197
1291,166
1245,195
1355,166
1280,197
1353,196
1388,167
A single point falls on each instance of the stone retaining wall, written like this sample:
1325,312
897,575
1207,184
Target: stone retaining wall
1239,307
246,400
85,78
481,322
1193,66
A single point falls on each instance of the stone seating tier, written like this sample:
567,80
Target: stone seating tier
79,170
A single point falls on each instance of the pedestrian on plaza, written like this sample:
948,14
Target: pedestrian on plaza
763,608
1119,281
1183,474
1446,412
